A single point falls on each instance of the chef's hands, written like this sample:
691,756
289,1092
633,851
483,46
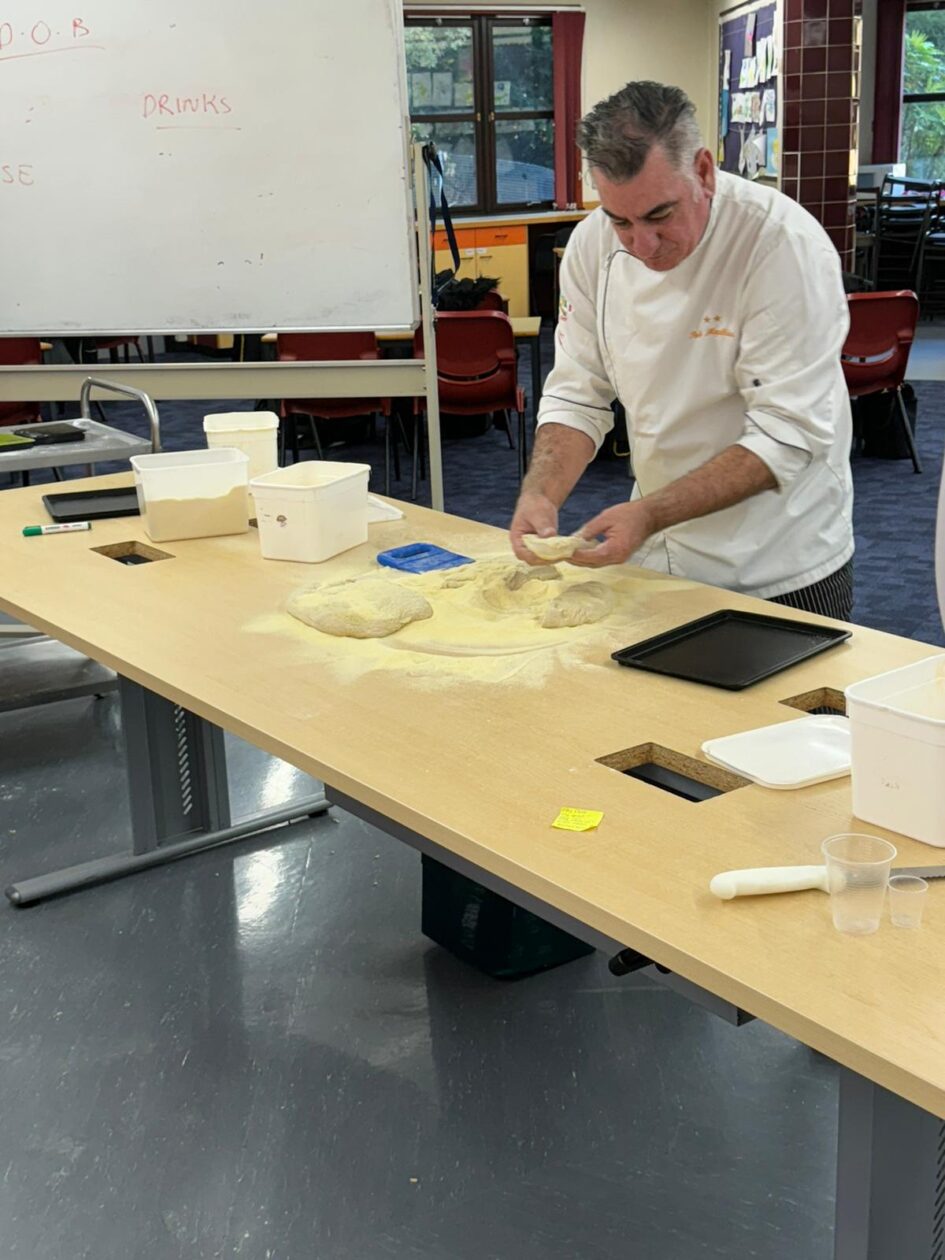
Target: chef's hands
534,514
624,528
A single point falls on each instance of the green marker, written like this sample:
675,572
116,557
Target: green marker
30,531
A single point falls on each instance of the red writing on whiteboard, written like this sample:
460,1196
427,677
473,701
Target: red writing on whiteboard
38,34
167,106
16,173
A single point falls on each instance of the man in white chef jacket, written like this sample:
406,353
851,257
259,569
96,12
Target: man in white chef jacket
713,309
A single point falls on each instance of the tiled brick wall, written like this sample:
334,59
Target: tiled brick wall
820,113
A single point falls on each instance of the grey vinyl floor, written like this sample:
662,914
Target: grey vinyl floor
254,1053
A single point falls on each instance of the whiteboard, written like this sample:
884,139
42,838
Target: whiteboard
204,165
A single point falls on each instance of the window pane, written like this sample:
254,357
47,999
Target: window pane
923,139
925,52
525,160
456,144
523,67
439,69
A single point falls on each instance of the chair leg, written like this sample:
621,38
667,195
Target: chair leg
387,457
294,439
522,453
417,441
315,438
394,444
907,431
508,428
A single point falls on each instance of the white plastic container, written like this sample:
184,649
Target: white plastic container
255,433
311,511
192,494
897,728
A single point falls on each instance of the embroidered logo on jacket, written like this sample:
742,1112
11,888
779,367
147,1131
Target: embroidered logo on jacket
715,328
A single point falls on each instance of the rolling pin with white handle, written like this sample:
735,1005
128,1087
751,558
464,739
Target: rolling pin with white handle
768,879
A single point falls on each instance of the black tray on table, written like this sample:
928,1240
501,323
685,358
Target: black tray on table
731,649
91,505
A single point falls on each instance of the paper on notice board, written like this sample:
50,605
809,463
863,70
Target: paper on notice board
748,75
750,35
756,114
754,154
770,105
774,153
724,112
727,69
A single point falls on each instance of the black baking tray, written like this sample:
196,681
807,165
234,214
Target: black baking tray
731,649
91,505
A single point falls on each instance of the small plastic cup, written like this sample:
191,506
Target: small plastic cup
857,875
907,900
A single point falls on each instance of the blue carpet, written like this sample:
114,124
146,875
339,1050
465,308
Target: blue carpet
894,513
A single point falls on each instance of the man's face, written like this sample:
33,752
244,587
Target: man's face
660,215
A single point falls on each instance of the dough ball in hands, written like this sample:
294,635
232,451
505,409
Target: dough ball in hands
359,608
579,605
558,547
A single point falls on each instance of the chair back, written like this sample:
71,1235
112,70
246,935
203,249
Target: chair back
475,361
903,210
322,347
493,301
19,352
326,347
875,355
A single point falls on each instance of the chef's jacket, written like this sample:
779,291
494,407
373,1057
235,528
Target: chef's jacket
738,344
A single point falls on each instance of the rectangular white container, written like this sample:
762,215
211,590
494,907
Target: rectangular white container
311,511
897,730
255,433
192,494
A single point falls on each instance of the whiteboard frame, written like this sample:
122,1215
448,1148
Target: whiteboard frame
404,378
170,329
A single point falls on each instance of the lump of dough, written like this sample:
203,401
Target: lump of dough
518,588
359,608
579,605
559,547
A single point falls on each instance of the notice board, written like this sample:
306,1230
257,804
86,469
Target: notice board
750,46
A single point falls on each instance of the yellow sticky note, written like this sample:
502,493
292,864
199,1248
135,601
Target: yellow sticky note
577,819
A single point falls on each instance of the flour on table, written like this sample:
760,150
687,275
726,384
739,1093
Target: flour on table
579,605
519,588
558,547
359,608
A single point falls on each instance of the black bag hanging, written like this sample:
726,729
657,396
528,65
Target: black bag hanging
431,160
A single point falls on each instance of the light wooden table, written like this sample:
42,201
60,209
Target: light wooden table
474,774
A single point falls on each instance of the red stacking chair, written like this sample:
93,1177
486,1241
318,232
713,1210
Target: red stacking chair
19,352
493,301
476,370
875,354
321,347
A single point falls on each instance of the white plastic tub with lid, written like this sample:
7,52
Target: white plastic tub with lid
192,494
255,433
311,511
897,732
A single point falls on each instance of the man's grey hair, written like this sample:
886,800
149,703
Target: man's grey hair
618,133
